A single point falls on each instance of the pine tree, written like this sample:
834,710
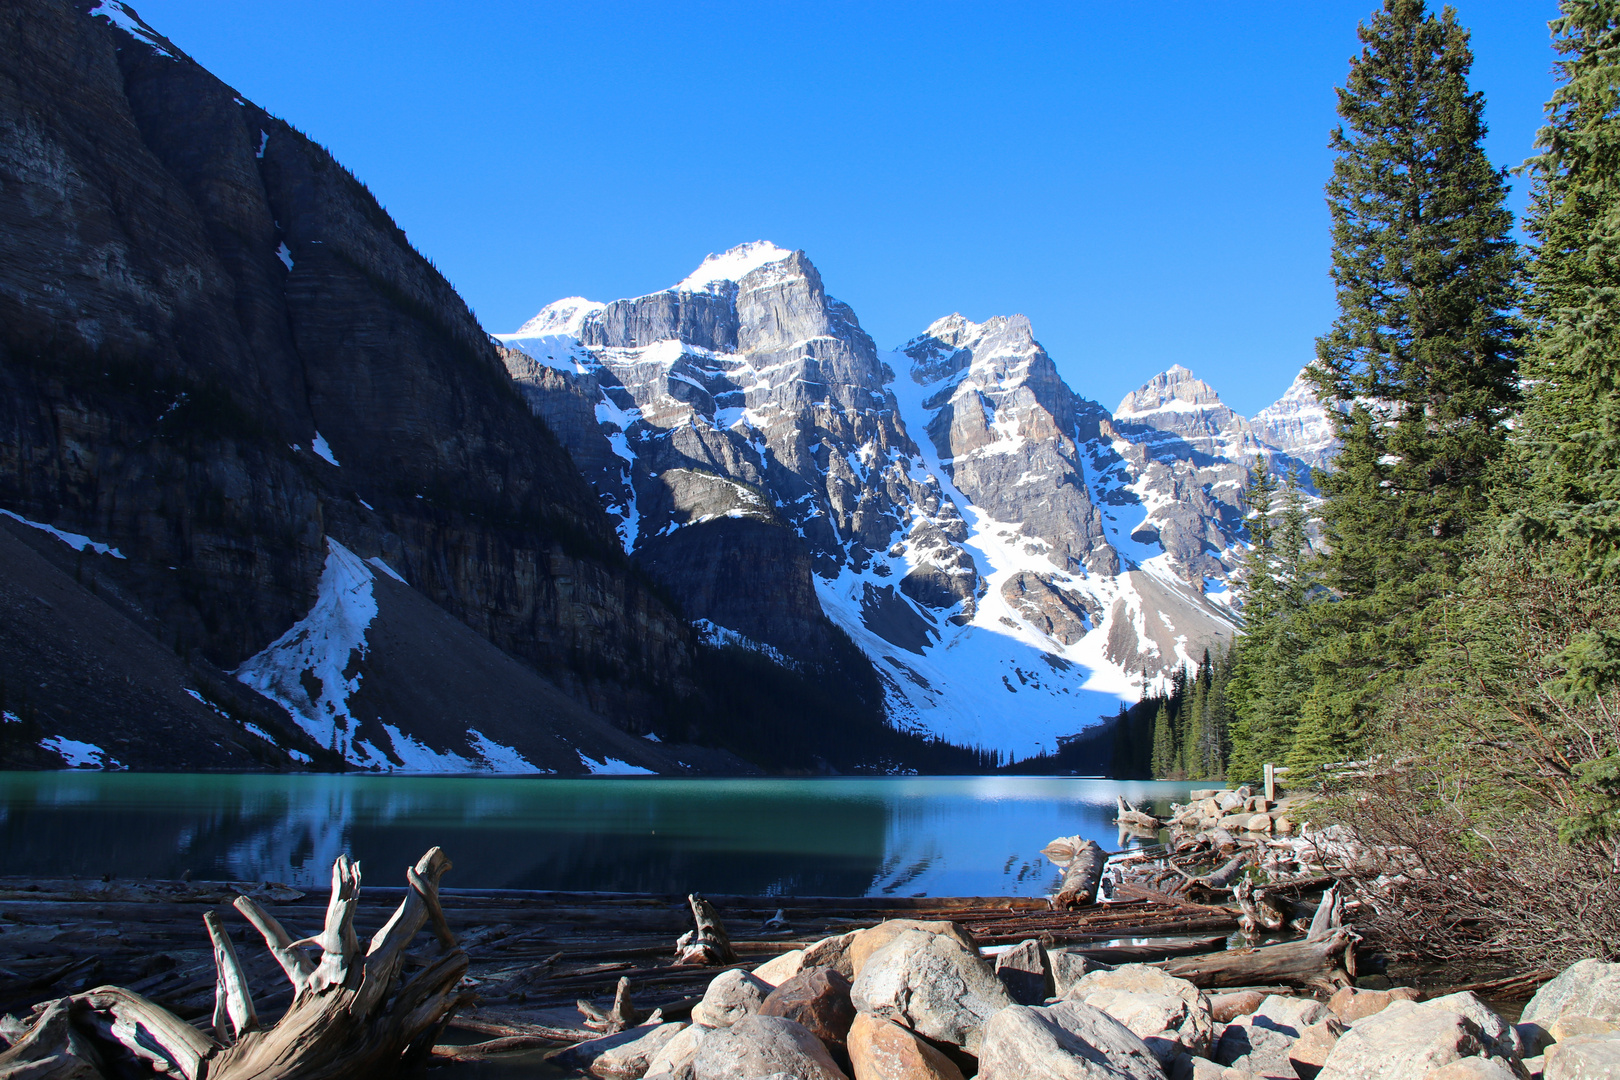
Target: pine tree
1571,428
1424,352
1164,742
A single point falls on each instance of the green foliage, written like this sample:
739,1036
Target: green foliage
1423,360
1269,680
1569,444
1181,734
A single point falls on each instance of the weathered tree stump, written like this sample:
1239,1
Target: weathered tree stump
353,1014
709,945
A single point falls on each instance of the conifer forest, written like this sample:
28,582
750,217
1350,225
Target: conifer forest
1437,640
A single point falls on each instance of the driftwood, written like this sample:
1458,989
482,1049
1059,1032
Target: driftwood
1134,819
1081,876
1321,963
1148,950
1259,912
352,1014
623,1014
708,945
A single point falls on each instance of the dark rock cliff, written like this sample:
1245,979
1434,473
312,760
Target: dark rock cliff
201,311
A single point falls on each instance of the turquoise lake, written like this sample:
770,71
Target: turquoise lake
903,836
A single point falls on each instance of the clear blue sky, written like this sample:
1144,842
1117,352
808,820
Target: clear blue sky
1144,181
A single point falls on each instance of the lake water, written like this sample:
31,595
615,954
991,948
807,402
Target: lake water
905,836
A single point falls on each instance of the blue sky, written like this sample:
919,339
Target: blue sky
1144,181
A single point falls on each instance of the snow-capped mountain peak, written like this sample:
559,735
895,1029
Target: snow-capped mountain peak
559,317
1177,389
732,265
1299,424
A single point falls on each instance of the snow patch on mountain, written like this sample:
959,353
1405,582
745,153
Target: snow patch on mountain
80,755
321,653
123,16
731,266
76,541
318,651
559,317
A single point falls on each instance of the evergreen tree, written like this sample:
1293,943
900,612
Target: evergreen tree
1571,426
1164,742
1423,352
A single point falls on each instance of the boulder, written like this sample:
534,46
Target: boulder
1228,1007
883,1050
868,941
1253,1046
776,971
731,996
1259,823
1570,1025
675,1059
1350,1004
1067,1041
1282,826
762,1046
818,999
1584,1057
932,984
1501,1038
1289,1015
1227,801
1310,1051
1068,968
1473,1069
626,1054
1403,1041
1585,988
1169,1014
831,952
1200,794
1204,1069
1026,973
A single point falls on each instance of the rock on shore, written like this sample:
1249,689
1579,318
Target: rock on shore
925,1005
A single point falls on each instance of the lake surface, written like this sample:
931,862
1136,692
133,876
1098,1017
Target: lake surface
904,836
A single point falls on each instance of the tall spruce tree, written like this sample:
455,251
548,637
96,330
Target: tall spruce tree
1571,426
1424,354
1268,682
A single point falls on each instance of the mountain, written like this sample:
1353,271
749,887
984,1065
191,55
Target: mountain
222,361
1298,425
1011,558
270,497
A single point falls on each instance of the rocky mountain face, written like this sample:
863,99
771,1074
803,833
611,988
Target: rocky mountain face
1012,558
270,496
221,358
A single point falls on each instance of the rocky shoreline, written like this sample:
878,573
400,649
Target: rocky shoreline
867,988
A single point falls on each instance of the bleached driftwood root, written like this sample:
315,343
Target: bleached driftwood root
709,945
353,1014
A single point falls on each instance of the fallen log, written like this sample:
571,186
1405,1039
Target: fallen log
353,1013
1316,964
1149,950
1085,869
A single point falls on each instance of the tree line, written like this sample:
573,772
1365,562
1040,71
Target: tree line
1454,621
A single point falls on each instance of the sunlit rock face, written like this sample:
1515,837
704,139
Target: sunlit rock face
1012,558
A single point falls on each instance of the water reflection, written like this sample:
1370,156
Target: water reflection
842,836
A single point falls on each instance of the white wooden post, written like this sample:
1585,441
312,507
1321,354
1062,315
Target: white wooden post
1271,782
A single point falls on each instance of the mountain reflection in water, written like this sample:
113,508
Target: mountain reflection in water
904,836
